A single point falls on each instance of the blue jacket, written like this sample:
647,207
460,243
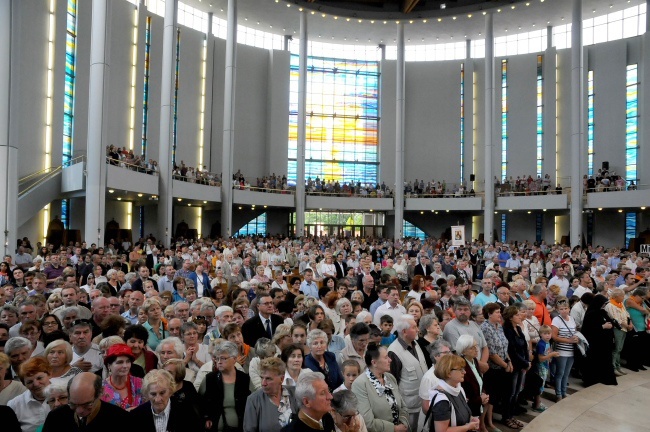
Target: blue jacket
207,291
334,378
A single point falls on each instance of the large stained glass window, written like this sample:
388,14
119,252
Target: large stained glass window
342,120
70,76
462,122
504,227
256,226
631,123
590,122
411,230
145,91
504,119
630,228
540,115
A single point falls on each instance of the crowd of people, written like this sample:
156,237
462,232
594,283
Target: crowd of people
320,333
125,158
526,185
437,189
606,181
320,186
195,175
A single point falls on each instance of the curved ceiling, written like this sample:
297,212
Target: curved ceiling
448,25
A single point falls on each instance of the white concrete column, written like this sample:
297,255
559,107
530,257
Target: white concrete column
488,206
8,152
399,133
165,197
229,121
207,116
97,122
577,128
302,126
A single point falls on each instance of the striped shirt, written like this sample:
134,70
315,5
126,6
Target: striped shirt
160,420
565,349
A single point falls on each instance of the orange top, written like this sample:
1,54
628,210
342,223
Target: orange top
541,312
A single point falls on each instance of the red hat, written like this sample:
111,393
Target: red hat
118,350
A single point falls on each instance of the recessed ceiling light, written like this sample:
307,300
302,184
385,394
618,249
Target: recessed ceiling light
180,199
119,198
140,195
111,190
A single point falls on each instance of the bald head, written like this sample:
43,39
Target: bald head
101,309
84,391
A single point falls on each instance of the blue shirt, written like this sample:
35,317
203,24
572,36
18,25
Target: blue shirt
375,305
309,289
482,299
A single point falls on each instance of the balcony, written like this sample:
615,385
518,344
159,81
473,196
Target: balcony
339,201
526,201
265,197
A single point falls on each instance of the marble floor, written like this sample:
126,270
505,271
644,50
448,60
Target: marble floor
620,408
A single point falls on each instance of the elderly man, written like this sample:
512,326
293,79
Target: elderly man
18,349
560,280
182,310
408,364
221,316
101,309
369,293
314,400
85,411
538,295
462,325
392,307
174,327
85,354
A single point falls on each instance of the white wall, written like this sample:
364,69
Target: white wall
387,123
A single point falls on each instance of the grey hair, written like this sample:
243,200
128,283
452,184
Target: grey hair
315,334
477,309
188,326
340,303
179,303
530,304
129,277
264,348
160,377
536,289
225,347
344,401
110,273
616,292
176,343
15,343
464,342
305,387
108,342
402,323
208,307
425,323
220,310
461,301
10,308
70,309
435,349
361,316
55,387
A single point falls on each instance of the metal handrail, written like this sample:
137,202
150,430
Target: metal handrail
41,180
197,180
291,191
122,164
342,194
47,170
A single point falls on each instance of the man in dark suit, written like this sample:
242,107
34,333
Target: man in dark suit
423,269
85,411
158,388
341,267
263,324
143,273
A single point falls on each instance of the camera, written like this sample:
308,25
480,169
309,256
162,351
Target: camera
616,324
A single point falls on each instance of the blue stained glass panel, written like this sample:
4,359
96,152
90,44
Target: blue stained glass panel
630,227
413,231
590,122
631,123
256,226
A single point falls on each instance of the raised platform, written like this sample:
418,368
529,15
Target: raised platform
618,408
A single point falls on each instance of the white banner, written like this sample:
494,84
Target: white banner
458,235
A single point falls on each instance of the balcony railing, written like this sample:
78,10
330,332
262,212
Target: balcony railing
133,167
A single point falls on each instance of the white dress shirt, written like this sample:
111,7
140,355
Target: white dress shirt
160,420
30,412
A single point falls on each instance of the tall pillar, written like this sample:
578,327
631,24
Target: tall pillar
97,108
577,87
399,133
228,121
166,197
207,109
488,219
302,127
8,152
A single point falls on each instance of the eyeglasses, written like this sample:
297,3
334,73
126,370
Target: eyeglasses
86,405
348,418
49,323
221,359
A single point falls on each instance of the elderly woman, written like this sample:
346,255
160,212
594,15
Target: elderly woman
232,332
346,413
430,332
498,378
335,343
357,296
172,349
343,308
30,406
467,348
121,388
260,277
531,324
136,337
184,391
416,310
196,354
379,401
321,360
53,302
617,311
56,395
449,408
271,407
59,355
31,330
519,353
154,325
293,357
68,316
158,388
9,388
225,390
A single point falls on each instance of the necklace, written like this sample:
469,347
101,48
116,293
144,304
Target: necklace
110,379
